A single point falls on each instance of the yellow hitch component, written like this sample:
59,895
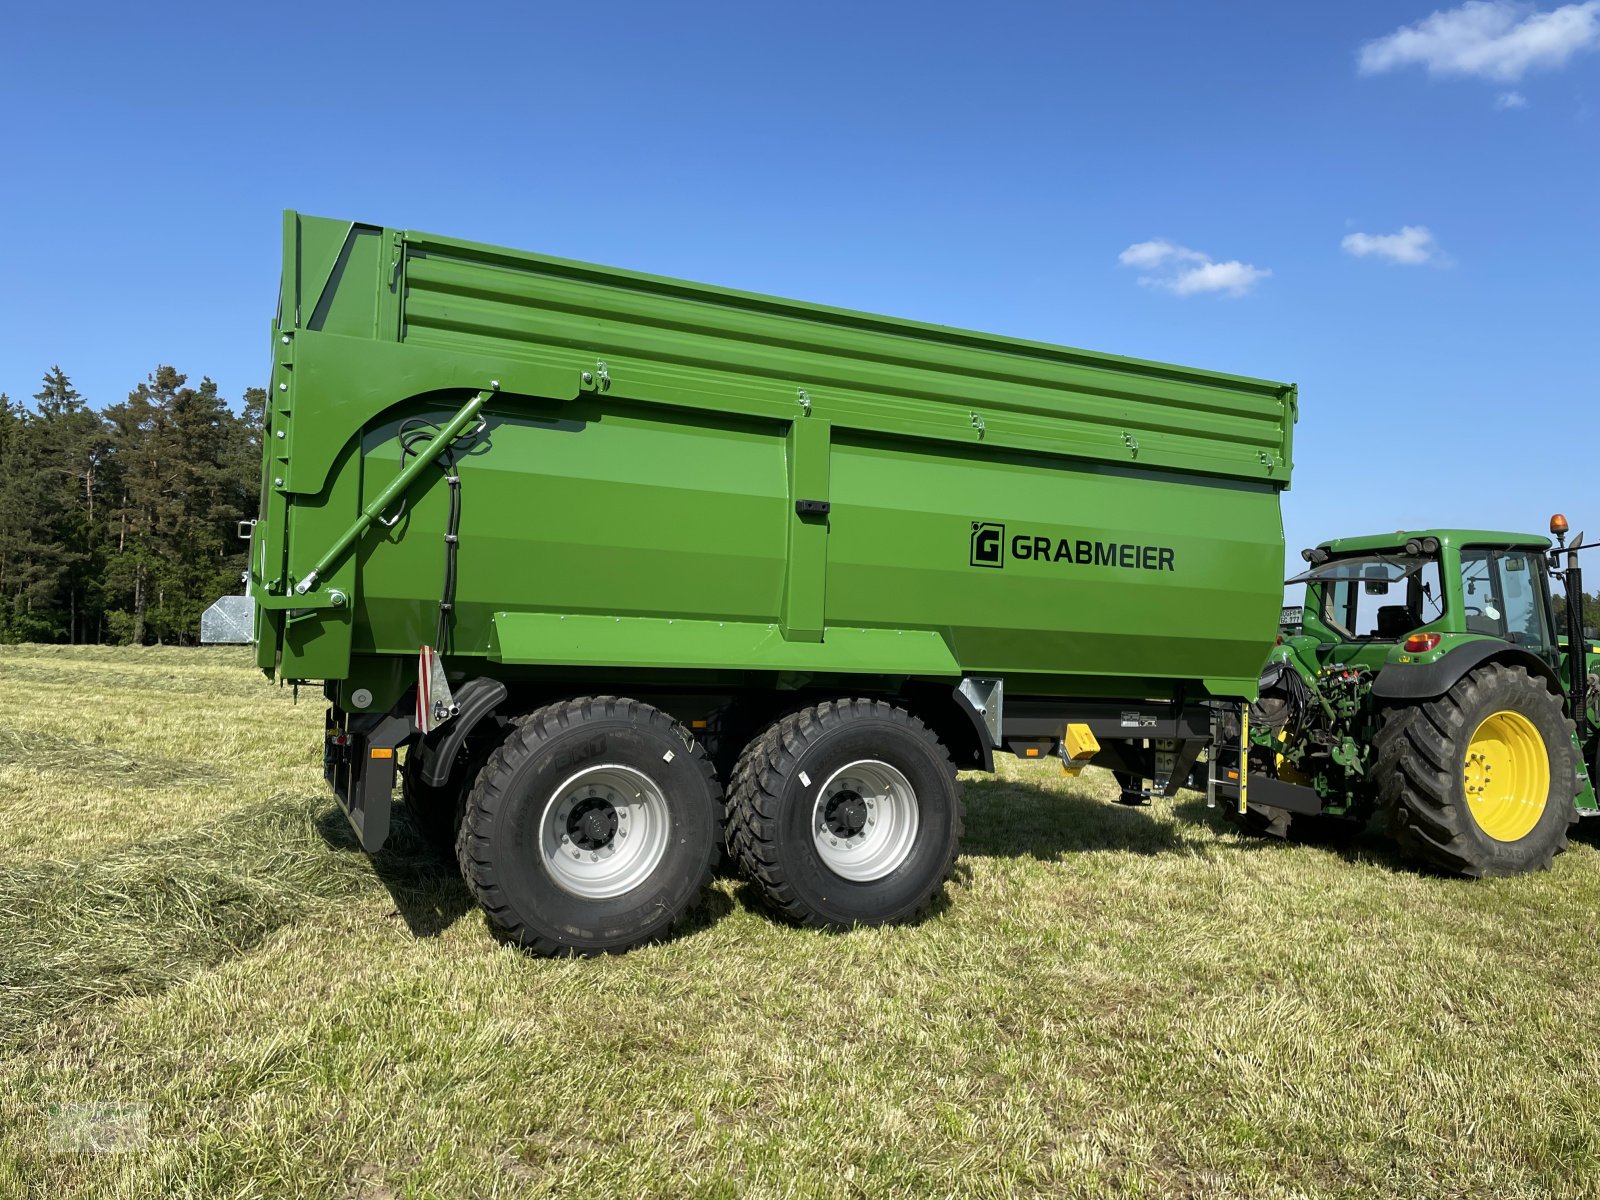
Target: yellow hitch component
1244,760
1078,746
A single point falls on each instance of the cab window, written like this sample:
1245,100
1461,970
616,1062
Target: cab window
1503,595
1379,598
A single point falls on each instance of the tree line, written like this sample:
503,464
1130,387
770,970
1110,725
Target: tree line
121,524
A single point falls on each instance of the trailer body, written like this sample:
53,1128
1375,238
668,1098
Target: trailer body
688,492
1074,523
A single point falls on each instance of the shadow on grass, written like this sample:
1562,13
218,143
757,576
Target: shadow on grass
425,883
421,878
1586,831
1018,819
1367,845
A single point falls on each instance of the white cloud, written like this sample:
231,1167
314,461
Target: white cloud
1185,272
1232,278
1511,100
1413,246
1492,39
1145,255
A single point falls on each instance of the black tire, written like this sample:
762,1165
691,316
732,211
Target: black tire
1421,754
777,786
502,843
436,810
728,730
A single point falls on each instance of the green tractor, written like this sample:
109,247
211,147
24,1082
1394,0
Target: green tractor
1431,679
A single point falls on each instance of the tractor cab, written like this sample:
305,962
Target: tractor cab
1408,599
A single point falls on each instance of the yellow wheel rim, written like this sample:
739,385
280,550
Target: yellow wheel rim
1506,776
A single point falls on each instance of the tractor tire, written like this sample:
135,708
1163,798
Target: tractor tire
1480,781
847,813
545,845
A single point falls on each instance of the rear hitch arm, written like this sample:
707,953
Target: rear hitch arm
424,459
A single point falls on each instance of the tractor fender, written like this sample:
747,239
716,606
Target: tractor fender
476,699
1426,680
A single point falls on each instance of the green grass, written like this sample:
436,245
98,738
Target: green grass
1112,1001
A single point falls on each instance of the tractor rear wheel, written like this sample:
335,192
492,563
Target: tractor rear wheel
846,813
1480,780
591,828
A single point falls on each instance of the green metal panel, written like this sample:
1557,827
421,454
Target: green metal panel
1447,537
661,643
996,506
666,341
808,449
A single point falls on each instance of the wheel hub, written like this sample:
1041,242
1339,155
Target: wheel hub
1476,773
592,823
1505,775
864,820
604,831
846,814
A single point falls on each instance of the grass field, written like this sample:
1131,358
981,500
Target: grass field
1112,1001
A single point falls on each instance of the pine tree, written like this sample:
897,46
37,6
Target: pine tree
139,440
186,475
70,443
15,523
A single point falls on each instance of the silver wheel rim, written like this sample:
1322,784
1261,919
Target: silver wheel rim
864,821
604,830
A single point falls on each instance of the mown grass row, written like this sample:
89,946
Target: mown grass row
1111,1001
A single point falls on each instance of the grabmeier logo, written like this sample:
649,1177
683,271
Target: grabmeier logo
988,544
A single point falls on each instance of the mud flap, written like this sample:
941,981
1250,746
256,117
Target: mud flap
359,764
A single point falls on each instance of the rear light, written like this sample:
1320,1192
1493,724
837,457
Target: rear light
1421,643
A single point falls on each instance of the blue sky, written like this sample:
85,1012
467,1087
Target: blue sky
983,166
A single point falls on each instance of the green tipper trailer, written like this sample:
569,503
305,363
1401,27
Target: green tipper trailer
621,575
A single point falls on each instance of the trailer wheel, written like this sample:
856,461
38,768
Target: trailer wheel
728,729
1480,781
592,827
847,813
